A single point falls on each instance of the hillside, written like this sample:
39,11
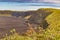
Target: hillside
54,28
45,22
10,20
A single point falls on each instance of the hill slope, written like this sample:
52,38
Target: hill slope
54,28
46,18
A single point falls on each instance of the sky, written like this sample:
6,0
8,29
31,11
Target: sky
24,5
52,1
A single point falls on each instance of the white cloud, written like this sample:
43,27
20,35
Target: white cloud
53,1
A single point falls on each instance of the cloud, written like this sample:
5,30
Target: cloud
52,1
16,0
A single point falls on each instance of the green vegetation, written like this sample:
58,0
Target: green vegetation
54,28
51,33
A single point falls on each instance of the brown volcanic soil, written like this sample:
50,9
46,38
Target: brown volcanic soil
9,23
